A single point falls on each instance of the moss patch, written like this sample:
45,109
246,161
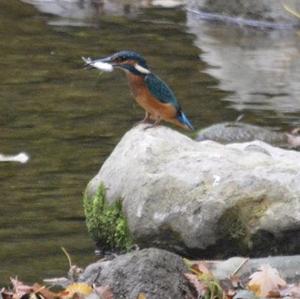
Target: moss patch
106,223
237,222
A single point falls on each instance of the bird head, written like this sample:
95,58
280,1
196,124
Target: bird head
128,61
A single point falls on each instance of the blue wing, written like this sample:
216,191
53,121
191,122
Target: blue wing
161,90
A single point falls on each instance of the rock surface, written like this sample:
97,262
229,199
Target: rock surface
203,198
156,273
288,266
231,132
159,274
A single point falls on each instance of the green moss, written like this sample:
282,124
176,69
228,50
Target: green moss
237,222
106,223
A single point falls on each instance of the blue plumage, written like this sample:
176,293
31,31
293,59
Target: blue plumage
161,90
142,78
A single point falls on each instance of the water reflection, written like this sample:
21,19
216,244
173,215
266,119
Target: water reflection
260,69
86,12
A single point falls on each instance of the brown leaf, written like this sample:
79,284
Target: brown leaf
200,286
295,291
231,283
200,267
236,281
265,280
80,288
6,294
19,288
141,296
291,290
104,292
46,293
230,294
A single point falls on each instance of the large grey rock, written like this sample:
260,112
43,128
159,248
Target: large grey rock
156,273
202,197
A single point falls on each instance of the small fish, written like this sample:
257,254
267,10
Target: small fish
98,64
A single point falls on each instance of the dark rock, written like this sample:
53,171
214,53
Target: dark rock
156,273
231,132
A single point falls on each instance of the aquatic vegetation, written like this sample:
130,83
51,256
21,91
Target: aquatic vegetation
106,223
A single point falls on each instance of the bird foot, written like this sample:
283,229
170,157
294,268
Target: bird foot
143,121
154,125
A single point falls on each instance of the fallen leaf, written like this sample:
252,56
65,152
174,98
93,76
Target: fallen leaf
265,280
19,288
200,267
295,291
200,287
141,296
46,293
79,288
236,281
62,282
104,292
32,295
230,294
6,294
291,291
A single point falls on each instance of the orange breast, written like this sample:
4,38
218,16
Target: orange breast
146,100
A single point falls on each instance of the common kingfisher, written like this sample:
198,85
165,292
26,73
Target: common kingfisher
150,92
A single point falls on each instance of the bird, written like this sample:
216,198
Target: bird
150,92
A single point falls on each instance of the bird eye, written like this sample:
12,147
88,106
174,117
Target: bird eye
119,59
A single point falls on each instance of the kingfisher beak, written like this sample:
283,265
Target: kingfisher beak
104,64
107,59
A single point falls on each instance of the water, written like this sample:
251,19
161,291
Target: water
69,119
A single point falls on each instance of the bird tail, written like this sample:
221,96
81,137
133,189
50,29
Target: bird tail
184,120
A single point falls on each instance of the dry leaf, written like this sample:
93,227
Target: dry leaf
291,291
295,291
6,294
236,281
19,288
46,293
104,292
141,296
200,287
32,295
200,267
265,280
79,288
230,294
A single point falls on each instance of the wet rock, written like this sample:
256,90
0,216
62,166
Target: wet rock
267,10
288,266
204,198
154,272
230,132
